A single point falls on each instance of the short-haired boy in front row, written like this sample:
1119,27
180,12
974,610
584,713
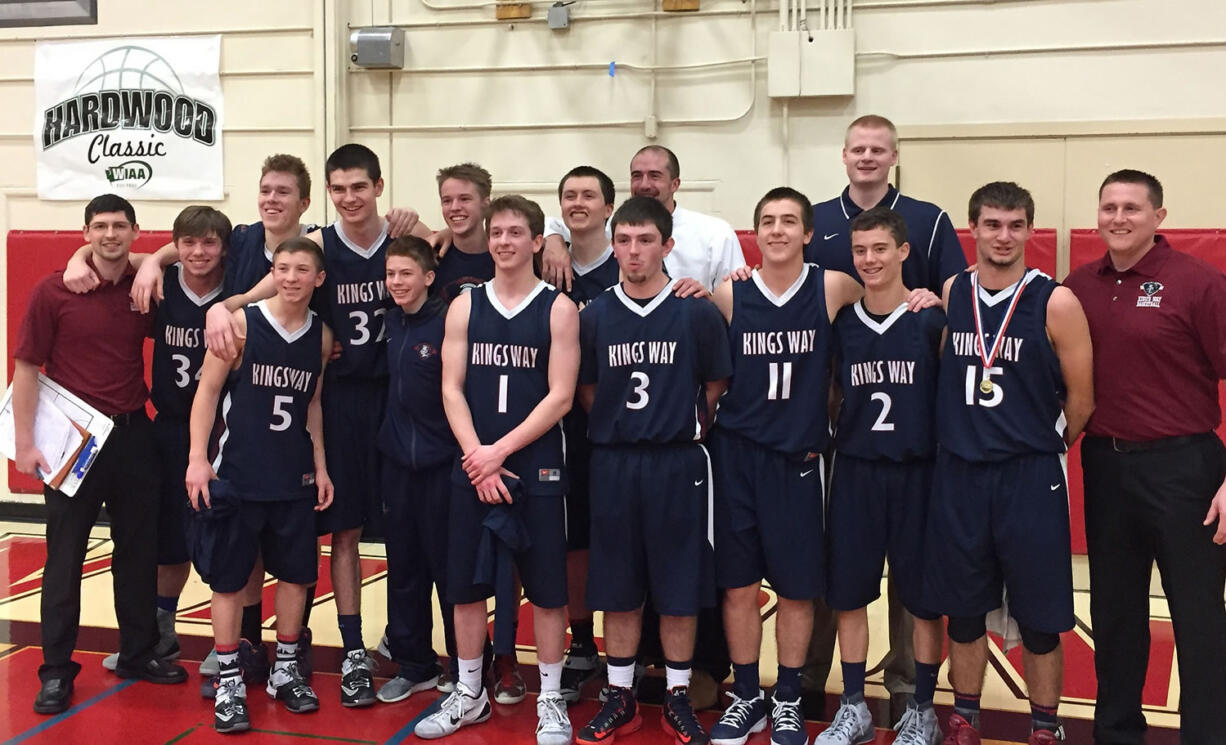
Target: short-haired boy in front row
886,443
510,358
260,493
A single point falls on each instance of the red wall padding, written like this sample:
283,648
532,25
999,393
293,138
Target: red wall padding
33,254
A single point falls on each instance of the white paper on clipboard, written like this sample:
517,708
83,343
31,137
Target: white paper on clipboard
56,438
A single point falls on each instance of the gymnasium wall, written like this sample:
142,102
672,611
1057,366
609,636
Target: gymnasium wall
1051,93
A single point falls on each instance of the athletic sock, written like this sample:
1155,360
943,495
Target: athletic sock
745,681
253,616
551,676
470,674
582,636
306,607
925,682
168,603
967,705
227,661
1044,717
677,674
287,652
787,687
621,671
350,625
853,679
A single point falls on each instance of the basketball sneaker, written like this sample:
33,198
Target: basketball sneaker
404,685
788,723
582,664
679,718
960,731
288,686
618,716
509,685
462,707
552,722
230,707
1047,736
742,718
357,679
918,726
852,725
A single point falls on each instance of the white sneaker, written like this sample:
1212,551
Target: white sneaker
553,723
462,707
918,727
852,725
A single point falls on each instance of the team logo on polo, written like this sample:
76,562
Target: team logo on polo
133,106
1151,299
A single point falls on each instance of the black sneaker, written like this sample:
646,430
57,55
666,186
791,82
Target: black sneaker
679,718
357,679
230,707
287,686
305,664
582,664
618,715
253,661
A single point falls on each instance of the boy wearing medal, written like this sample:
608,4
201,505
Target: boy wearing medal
1015,389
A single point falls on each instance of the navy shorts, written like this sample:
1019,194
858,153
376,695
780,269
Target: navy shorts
353,411
878,508
538,551
1001,525
282,531
651,529
172,448
578,469
768,518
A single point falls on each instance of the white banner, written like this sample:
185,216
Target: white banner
136,117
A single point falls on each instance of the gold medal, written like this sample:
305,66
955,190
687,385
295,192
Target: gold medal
985,386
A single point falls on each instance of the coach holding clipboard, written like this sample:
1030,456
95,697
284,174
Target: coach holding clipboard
93,346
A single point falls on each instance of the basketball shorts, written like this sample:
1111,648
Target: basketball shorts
353,412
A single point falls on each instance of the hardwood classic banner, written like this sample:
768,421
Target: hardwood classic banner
140,118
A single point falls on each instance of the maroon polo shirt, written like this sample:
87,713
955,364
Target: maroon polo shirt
1159,334
92,344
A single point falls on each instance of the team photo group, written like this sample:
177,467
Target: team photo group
609,411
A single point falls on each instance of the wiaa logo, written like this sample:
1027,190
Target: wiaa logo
129,89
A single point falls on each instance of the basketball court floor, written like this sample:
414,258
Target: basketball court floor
110,710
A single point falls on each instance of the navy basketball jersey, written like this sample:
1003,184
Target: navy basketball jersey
249,257
592,279
888,373
507,375
458,271
1014,407
781,349
649,364
264,448
356,302
178,344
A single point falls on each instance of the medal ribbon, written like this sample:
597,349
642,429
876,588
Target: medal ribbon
989,356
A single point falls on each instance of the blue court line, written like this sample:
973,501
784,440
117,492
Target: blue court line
44,726
403,733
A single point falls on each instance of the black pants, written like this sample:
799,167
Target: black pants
125,478
1142,507
415,530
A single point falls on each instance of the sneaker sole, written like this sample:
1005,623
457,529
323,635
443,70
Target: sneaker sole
435,736
299,710
240,727
676,738
425,685
358,704
759,726
629,728
806,741
508,699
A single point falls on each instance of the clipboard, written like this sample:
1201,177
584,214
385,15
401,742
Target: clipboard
69,432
